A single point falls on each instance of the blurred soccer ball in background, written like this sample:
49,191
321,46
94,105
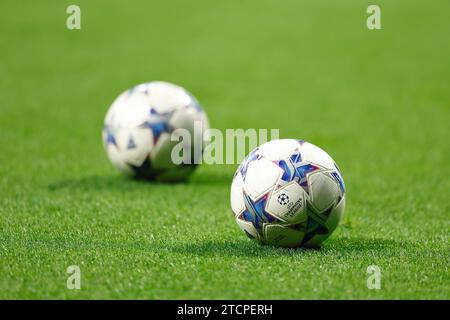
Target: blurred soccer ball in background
288,193
138,126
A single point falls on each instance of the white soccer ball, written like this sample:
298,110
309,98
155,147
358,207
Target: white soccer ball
138,127
288,193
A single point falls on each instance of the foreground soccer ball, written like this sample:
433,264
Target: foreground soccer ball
288,193
138,126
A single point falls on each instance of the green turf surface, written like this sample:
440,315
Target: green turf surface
377,101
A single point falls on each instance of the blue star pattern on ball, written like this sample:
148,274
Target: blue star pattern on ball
338,176
131,143
109,139
339,180
255,212
158,123
244,166
297,170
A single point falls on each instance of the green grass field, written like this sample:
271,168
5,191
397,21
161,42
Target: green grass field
377,101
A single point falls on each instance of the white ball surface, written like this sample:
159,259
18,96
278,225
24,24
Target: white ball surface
288,193
138,126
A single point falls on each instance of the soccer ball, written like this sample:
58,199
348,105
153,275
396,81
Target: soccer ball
138,127
288,193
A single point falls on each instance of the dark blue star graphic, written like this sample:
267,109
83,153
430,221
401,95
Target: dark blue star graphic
157,128
131,143
297,170
157,124
109,139
255,212
340,181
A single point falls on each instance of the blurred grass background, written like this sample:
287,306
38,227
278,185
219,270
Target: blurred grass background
377,101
